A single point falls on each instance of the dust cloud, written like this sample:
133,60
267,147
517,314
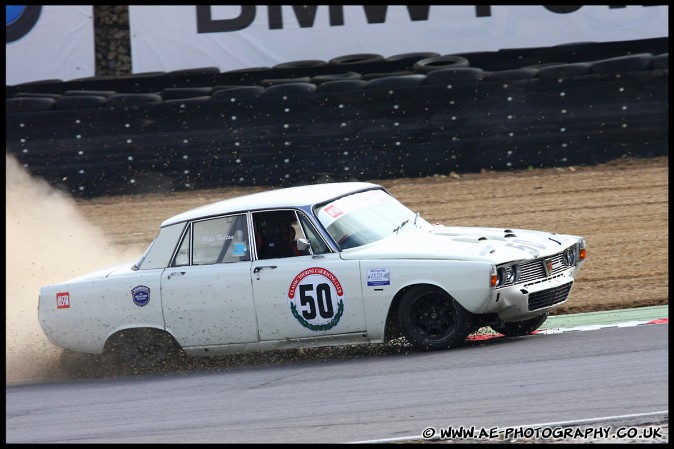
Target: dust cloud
47,241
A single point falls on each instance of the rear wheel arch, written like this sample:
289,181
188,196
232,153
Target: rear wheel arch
143,348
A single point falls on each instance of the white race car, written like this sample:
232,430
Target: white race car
317,265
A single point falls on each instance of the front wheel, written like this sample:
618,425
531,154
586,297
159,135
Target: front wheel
430,319
521,328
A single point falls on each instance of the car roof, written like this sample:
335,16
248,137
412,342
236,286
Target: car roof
289,197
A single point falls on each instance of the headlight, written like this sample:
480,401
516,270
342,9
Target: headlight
506,275
570,256
501,276
513,274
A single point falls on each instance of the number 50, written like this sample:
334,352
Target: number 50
322,301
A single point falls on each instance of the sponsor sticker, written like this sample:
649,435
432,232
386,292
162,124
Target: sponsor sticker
350,203
333,211
141,295
239,249
316,299
63,300
378,276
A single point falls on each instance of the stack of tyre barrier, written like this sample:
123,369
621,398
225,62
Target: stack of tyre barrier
360,116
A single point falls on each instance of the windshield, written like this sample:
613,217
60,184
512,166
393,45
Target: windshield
366,217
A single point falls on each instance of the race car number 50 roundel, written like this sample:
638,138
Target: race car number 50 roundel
316,299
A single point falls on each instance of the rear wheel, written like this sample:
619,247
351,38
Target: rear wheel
520,328
430,319
145,350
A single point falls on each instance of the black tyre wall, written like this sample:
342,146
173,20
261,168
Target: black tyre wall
343,127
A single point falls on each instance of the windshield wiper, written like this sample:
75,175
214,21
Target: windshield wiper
401,225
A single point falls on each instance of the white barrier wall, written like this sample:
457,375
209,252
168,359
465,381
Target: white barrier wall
230,37
57,42
49,42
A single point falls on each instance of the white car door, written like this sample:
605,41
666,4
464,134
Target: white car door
307,296
207,294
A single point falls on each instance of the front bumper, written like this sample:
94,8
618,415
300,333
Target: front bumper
524,301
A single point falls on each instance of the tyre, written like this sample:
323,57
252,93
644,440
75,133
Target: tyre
94,78
430,319
371,76
290,89
512,74
411,58
181,93
238,92
142,75
195,71
628,63
318,79
28,104
187,100
96,93
122,100
37,95
144,350
520,328
543,64
395,82
300,64
565,70
342,86
80,102
440,62
358,58
274,81
461,74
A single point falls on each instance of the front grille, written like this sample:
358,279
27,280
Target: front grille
549,297
533,271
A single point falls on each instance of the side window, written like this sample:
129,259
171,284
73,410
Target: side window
219,240
183,256
276,234
318,246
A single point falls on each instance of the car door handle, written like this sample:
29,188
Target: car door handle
258,269
175,273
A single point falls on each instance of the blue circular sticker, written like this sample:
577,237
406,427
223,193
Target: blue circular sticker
141,295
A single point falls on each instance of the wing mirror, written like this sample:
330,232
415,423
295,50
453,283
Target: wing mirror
303,244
